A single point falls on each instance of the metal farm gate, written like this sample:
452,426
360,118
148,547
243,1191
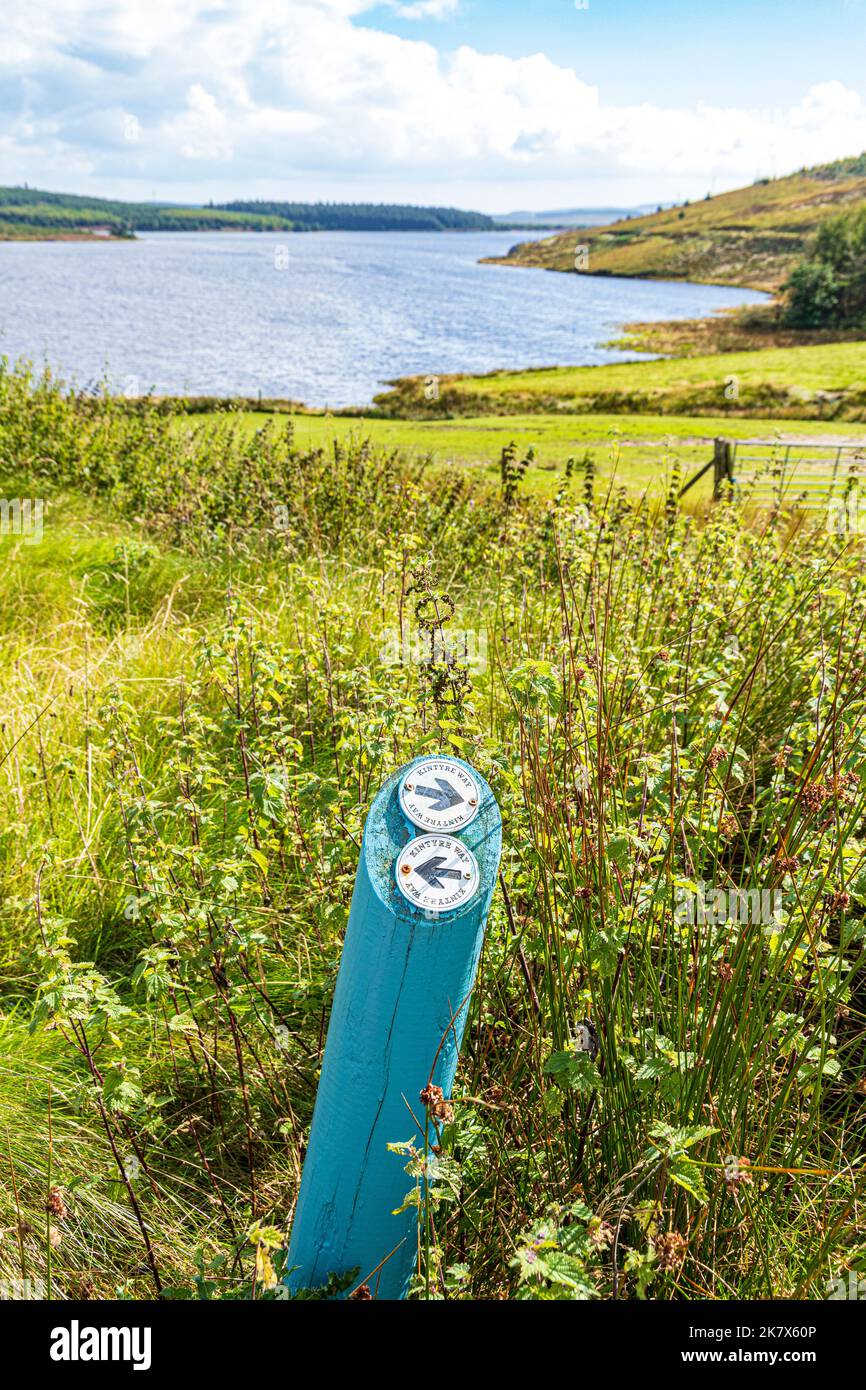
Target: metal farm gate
808,477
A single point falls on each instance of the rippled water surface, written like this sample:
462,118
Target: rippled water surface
323,318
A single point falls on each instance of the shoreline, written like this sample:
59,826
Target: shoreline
52,235
814,383
64,236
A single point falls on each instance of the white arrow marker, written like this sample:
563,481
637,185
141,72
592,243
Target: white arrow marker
440,795
437,873
446,797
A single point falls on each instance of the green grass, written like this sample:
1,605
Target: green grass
194,717
823,382
830,367
636,450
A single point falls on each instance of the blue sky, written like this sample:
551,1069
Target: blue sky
483,103
753,53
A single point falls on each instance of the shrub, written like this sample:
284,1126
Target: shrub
813,296
829,288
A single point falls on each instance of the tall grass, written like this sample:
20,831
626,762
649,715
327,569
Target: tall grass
196,714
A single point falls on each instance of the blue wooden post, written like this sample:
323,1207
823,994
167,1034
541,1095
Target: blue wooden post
404,975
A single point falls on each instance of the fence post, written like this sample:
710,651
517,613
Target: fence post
409,960
722,466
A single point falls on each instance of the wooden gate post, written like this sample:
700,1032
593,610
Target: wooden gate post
722,466
425,879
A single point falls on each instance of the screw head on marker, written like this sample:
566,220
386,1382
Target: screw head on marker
437,873
440,795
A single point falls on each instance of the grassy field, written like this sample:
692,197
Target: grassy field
751,236
820,382
195,714
638,451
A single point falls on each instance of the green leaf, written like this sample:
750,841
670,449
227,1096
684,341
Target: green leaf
182,1023
686,1173
121,1090
653,1068
574,1071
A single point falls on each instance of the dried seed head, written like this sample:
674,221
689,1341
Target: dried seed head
837,902
601,1233
728,825
55,1205
671,1250
813,795
433,1099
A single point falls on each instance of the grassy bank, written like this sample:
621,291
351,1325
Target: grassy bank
729,330
822,381
196,713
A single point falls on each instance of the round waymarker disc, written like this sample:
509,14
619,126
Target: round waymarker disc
437,873
440,795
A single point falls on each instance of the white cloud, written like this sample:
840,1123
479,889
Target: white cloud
202,130
244,92
426,9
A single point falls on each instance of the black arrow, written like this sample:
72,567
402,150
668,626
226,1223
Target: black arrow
445,797
433,875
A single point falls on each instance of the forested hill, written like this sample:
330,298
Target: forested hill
366,217
27,213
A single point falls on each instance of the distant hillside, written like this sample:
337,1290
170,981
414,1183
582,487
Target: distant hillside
568,217
752,237
27,213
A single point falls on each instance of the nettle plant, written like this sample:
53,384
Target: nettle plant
80,1004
